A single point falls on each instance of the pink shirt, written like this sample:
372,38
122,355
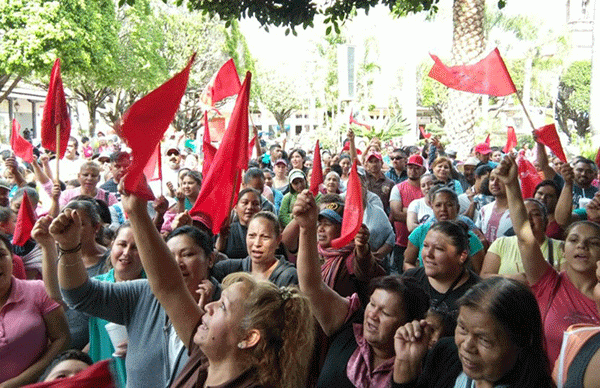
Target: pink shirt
103,195
23,337
561,305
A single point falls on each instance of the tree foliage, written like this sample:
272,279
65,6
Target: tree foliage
278,95
573,103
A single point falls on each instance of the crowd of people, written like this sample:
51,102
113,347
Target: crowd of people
453,280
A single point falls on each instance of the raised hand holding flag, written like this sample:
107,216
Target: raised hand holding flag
316,177
511,140
548,136
353,210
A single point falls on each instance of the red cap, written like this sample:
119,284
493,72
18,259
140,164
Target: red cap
416,159
483,148
375,154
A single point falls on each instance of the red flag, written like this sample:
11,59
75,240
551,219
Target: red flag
223,84
424,134
548,136
222,182
22,148
316,178
96,376
598,157
511,140
56,113
144,125
488,140
488,76
208,150
25,221
529,177
353,121
153,169
353,210
251,146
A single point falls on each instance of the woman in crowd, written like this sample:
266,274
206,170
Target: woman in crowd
345,163
332,183
34,327
232,240
189,188
419,210
297,160
361,350
298,182
442,169
280,180
89,176
255,335
262,240
564,298
445,208
498,343
131,303
503,256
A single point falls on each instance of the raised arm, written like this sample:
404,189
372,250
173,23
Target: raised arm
365,265
542,159
564,205
353,153
164,276
328,306
66,230
533,261
41,235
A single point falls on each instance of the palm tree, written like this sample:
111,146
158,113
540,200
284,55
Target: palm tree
468,43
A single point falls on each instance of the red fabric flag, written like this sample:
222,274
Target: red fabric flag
25,221
353,210
144,125
598,157
251,147
153,169
208,150
56,113
548,136
316,177
223,84
22,148
511,140
424,134
487,140
222,182
353,121
488,76
96,376
529,177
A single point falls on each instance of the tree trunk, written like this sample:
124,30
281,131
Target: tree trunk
468,42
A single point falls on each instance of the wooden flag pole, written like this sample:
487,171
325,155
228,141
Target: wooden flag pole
525,110
57,152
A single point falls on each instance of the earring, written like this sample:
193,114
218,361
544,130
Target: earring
242,345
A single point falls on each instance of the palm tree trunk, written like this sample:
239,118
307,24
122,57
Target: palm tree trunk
468,43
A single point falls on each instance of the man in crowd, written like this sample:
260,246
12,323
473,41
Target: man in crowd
398,171
376,181
119,162
483,153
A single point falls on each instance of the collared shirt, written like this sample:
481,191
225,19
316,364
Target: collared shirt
382,186
359,366
393,175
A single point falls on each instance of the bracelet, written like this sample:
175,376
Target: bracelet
68,251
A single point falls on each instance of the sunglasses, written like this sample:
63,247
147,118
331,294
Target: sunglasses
397,157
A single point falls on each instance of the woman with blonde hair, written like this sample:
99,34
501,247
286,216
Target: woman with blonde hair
255,335
442,169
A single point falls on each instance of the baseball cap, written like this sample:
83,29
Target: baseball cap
280,161
172,151
4,184
415,159
202,218
483,148
119,155
104,157
333,211
294,174
374,154
451,153
471,161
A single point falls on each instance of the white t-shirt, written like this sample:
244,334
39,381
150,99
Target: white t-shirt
423,211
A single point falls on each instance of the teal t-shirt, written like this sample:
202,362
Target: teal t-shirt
418,236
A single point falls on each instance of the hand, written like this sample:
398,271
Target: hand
411,343
507,171
179,195
41,233
66,229
44,159
361,240
55,195
350,134
161,205
305,210
593,208
131,203
181,219
171,189
206,290
566,171
11,164
121,350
